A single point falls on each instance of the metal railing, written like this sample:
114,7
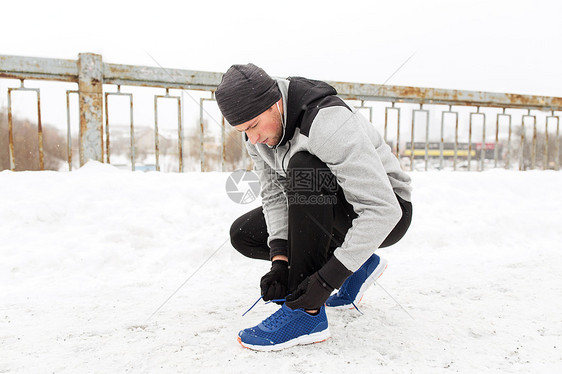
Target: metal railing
413,107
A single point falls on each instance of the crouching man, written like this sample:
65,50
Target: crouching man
332,193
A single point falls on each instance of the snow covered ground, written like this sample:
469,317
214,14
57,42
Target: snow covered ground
86,258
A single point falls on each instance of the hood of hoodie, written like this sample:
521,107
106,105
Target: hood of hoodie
305,96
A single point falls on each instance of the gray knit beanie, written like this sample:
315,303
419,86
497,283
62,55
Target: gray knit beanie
245,92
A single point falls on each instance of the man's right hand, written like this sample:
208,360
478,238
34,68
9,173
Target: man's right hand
274,283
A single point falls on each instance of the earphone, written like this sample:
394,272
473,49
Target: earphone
279,110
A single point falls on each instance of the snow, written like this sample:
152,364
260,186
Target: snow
88,256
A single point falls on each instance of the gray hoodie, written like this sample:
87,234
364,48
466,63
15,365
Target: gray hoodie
319,122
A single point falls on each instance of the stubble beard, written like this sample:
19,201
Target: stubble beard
279,133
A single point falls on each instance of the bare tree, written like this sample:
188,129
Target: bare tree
234,148
26,145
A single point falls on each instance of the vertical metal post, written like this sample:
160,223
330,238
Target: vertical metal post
90,93
545,159
385,118
107,139
558,141
522,144
496,141
182,120
442,145
483,149
426,155
11,133
132,136
180,135
534,149
497,138
426,139
202,134
412,145
441,161
534,141
386,109
397,132
509,131
156,136
456,143
68,132
469,155
40,132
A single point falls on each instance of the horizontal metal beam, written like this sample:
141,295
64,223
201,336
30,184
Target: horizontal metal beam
149,76
20,67
361,91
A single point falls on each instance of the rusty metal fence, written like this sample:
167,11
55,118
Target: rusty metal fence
427,128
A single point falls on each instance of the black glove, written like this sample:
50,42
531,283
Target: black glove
312,293
274,284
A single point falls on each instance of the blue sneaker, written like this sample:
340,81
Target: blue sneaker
286,328
352,290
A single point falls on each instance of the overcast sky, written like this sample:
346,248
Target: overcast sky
502,46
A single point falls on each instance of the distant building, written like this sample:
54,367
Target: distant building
435,149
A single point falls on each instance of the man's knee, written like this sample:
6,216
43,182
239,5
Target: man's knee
248,235
307,170
237,235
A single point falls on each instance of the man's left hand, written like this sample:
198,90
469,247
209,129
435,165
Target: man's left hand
311,294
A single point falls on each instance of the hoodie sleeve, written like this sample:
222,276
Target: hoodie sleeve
274,202
357,155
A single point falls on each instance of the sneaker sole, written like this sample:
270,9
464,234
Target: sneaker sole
371,279
316,337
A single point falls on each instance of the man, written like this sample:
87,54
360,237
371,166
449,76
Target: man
332,193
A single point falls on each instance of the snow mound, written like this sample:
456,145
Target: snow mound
96,167
88,256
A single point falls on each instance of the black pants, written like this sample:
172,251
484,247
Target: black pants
319,217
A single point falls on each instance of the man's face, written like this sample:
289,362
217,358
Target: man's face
266,128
